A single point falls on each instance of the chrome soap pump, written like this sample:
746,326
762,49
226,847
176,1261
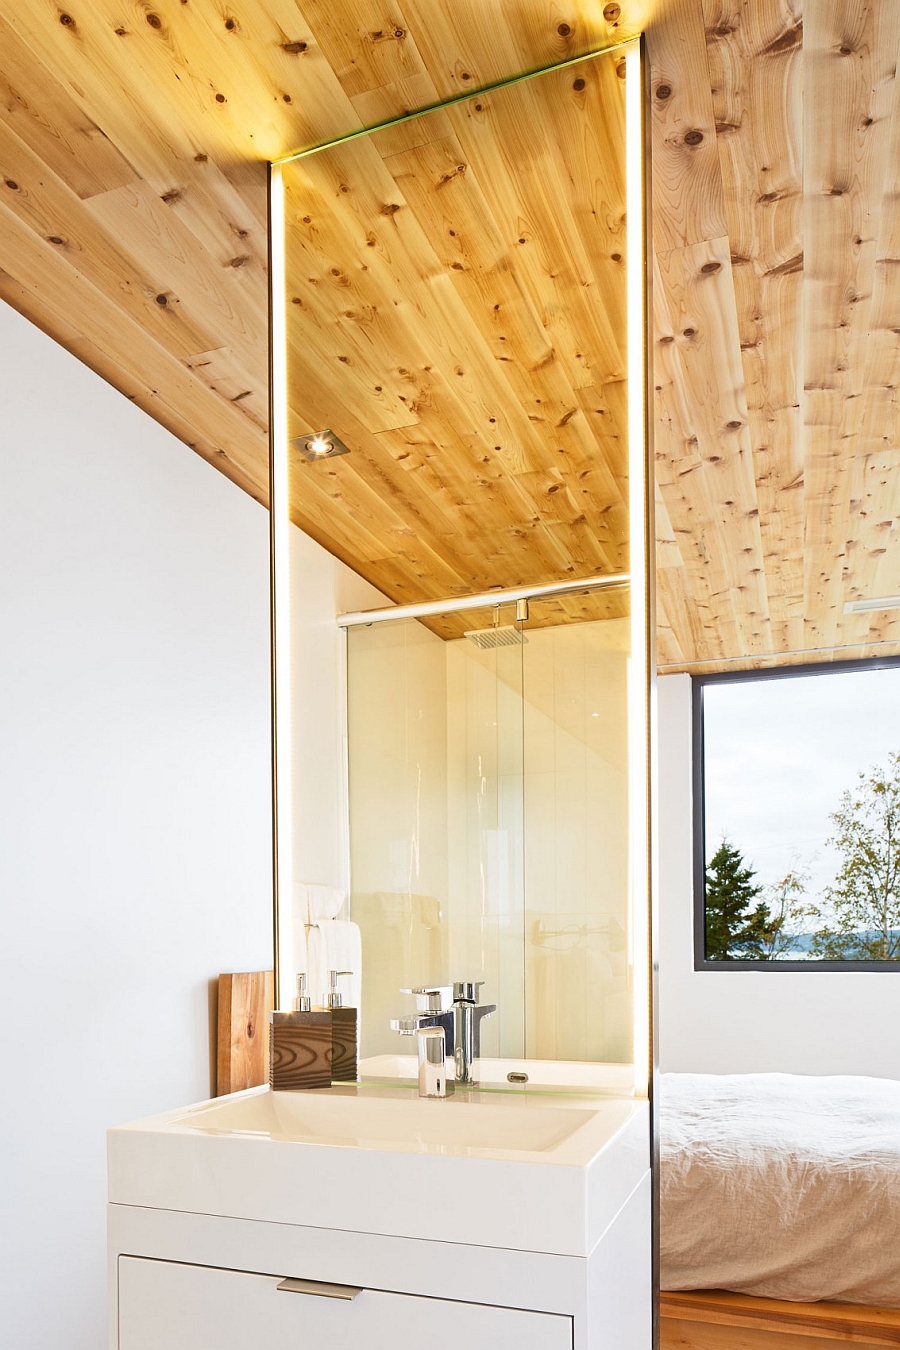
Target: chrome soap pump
300,1045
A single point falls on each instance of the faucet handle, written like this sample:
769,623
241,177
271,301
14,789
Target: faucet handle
432,1054
433,998
467,991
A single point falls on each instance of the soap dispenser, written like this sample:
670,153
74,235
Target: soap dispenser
300,1045
344,1032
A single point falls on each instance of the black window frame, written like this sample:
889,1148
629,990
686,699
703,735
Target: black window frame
698,805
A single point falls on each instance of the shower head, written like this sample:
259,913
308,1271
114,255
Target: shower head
488,638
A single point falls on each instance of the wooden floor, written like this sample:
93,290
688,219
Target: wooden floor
714,1320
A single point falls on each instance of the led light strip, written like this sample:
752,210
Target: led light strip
443,104
869,606
485,600
280,525
638,730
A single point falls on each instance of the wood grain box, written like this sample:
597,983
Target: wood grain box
300,1050
312,1049
343,1043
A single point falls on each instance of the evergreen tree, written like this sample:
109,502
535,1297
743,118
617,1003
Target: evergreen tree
734,931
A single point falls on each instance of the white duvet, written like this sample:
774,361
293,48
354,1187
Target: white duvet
781,1186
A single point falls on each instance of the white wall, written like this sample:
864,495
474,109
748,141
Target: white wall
134,802
321,587
816,1022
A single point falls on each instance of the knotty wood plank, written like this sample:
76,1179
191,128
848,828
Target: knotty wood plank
58,217
684,588
242,1055
873,489
49,121
495,387
230,297
794,1322
688,204
141,368
704,356
850,59
755,68
367,48
222,372
202,85
473,43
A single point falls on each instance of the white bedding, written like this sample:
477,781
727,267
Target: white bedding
781,1186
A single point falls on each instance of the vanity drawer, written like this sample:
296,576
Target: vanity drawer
167,1306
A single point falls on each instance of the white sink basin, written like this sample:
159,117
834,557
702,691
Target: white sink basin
453,1125
534,1173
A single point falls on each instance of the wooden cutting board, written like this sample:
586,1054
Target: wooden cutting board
245,1000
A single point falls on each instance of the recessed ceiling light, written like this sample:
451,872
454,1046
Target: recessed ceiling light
319,445
877,602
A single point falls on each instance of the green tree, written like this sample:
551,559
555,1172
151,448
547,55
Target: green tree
734,931
862,908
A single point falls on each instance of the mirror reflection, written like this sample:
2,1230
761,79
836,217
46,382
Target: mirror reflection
489,826
463,385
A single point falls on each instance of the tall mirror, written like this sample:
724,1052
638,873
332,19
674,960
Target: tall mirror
489,824
460,346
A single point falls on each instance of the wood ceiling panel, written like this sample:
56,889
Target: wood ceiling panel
473,43
712,464
810,205
460,305
38,281
135,134
46,118
755,69
688,200
850,63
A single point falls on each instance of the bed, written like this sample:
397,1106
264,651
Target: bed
783,1191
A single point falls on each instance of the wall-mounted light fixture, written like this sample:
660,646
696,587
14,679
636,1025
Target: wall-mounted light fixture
319,445
869,606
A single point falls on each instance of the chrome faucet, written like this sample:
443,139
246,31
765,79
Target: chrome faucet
456,1011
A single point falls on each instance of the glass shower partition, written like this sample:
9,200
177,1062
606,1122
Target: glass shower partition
436,797
491,829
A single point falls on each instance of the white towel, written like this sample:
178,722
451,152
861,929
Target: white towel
335,944
313,902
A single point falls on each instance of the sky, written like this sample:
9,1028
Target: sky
779,754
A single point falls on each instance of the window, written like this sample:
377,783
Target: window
797,818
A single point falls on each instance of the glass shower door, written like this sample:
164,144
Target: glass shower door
436,820
579,953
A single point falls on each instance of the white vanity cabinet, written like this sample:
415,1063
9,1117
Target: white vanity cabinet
235,1224
164,1305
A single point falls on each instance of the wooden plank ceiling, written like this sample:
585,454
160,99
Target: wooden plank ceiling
133,138
457,314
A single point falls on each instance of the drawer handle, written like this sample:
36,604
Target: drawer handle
319,1287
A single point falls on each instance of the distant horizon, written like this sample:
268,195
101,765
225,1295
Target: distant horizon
802,948
780,753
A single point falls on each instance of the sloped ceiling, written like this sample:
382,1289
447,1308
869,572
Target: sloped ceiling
133,138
